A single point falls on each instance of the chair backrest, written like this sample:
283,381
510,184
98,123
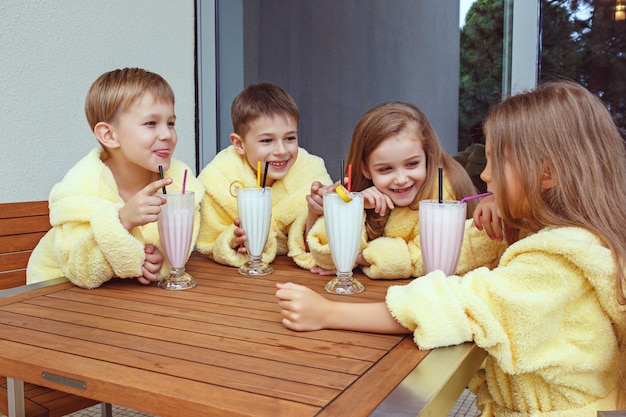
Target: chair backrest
22,225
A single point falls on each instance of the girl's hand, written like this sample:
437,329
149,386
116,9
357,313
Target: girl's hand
380,202
302,308
240,237
487,218
145,206
315,200
151,265
321,271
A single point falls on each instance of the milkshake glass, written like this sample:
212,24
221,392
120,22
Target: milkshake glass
255,214
442,226
344,223
175,230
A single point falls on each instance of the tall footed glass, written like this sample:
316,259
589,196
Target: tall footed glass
175,230
344,222
442,226
255,214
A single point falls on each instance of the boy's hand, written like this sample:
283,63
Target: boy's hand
144,207
240,237
380,202
487,218
151,265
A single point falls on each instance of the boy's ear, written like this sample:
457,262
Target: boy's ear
238,143
547,180
105,135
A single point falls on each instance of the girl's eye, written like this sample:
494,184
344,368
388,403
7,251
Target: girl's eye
413,164
171,124
291,138
266,140
384,169
151,123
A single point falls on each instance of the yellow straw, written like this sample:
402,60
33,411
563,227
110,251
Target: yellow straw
258,174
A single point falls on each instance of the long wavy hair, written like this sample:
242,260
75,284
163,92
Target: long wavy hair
565,127
386,120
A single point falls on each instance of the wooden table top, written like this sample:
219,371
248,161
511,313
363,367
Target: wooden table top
219,349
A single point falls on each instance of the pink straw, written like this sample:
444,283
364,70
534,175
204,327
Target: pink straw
473,197
184,181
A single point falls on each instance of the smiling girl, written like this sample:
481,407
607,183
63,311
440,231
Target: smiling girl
395,156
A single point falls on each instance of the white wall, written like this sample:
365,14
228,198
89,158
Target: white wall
50,53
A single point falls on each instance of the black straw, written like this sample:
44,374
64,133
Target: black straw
440,185
161,175
343,166
267,164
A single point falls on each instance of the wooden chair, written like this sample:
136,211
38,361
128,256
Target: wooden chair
21,226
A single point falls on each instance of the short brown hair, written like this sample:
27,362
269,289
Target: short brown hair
114,91
263,99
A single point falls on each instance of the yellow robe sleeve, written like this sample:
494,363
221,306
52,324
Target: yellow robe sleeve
87,243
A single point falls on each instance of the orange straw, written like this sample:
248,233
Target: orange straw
258,174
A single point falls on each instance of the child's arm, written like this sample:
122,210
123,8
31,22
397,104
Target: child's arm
143,207
315,203
374,199
487,218
151,266
304,310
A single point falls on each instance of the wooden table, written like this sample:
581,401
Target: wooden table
218,349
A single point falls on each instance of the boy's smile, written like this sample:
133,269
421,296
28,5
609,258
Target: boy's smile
270,139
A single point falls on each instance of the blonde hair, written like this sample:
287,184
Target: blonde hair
563,126
391,118
263,99
115,91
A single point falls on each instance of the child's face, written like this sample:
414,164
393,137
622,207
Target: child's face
514,197
397,166
145,133
270,139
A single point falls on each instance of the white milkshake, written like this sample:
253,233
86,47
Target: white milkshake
175,230
441,234
255,213
344,223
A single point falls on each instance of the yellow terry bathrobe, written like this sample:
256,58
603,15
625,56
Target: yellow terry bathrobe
228,171
397,253
87,243
546,316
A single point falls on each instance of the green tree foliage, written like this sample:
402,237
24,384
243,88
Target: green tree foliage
580,40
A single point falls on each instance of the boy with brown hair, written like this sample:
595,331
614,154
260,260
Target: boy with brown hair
265,122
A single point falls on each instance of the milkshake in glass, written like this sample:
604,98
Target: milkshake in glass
442,226
175,230
344,223
255,214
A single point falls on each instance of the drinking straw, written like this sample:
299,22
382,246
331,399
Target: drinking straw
472,197
440,185
342,171
258,174
184,181
267,164
349,176
161,175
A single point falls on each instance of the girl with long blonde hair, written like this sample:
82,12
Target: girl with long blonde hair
551,315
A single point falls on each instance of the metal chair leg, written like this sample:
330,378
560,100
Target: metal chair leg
106,410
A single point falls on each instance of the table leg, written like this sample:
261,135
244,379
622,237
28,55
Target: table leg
15,391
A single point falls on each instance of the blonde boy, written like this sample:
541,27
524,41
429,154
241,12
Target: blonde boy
265,123
104,211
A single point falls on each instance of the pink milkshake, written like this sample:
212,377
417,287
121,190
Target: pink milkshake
175,230
442,226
